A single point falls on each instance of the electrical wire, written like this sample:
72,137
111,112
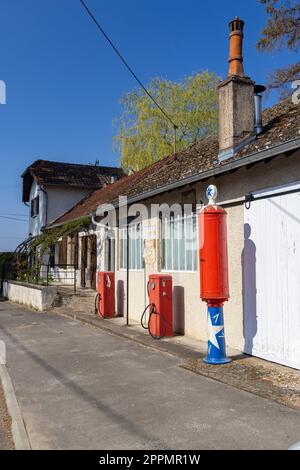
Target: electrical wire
128,66
14,214
13,218
11,238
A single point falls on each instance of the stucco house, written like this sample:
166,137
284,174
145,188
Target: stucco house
51,188
255,163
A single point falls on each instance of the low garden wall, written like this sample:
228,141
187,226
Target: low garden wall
38,297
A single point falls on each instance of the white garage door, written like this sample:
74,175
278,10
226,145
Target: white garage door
271,278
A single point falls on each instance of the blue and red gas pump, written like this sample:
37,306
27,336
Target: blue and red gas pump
214,287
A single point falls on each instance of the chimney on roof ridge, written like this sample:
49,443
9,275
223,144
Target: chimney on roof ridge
236,98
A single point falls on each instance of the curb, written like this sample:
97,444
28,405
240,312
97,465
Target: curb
19,433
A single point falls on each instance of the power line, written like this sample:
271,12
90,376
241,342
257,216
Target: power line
12,238
15,186
175,127
12,218
13,214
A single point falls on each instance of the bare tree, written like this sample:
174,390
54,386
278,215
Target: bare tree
282,31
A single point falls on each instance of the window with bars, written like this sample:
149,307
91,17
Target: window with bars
135,247
179,243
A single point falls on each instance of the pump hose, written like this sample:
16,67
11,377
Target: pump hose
97,305
146,325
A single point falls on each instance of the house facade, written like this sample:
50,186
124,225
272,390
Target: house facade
52,188
255,164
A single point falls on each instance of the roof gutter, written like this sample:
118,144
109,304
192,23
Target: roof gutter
254,157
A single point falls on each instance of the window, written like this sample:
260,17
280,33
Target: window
179,243
35,206
135,247
62,252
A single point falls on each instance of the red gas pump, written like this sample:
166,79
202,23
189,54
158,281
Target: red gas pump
160,320
214,287
105,298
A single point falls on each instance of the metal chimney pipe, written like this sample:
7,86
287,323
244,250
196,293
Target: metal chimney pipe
258,89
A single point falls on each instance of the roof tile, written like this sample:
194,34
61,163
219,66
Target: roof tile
281,124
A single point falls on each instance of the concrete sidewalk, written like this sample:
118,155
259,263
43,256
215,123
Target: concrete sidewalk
79,387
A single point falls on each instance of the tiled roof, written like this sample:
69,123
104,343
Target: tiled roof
281,124
57,173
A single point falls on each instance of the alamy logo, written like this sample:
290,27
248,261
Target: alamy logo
296,93
2,92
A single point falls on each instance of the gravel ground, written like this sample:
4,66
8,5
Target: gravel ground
272,381
6,441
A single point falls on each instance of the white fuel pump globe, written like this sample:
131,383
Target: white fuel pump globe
211,194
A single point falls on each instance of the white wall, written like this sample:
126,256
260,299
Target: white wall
57,201
37,222
38,298
61,199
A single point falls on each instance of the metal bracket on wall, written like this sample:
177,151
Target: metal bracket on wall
248,199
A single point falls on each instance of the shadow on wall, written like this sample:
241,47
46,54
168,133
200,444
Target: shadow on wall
178,310
120,298
249,290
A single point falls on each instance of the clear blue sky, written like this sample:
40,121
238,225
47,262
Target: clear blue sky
64,82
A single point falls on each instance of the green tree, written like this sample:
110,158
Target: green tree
282,30
145,135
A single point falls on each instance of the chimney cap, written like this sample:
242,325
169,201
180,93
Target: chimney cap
237,24
259,89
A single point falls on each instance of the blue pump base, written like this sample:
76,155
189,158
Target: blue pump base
216,348
224,360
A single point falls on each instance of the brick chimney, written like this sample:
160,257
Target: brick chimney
236,98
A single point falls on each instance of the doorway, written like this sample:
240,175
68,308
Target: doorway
93,260
83,261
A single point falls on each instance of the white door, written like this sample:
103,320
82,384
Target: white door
271,278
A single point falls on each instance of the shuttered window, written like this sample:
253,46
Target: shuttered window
34,206
74,250
62,252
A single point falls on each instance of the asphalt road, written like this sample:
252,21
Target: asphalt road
81,388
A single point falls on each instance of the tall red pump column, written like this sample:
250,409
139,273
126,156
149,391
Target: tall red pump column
214,287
